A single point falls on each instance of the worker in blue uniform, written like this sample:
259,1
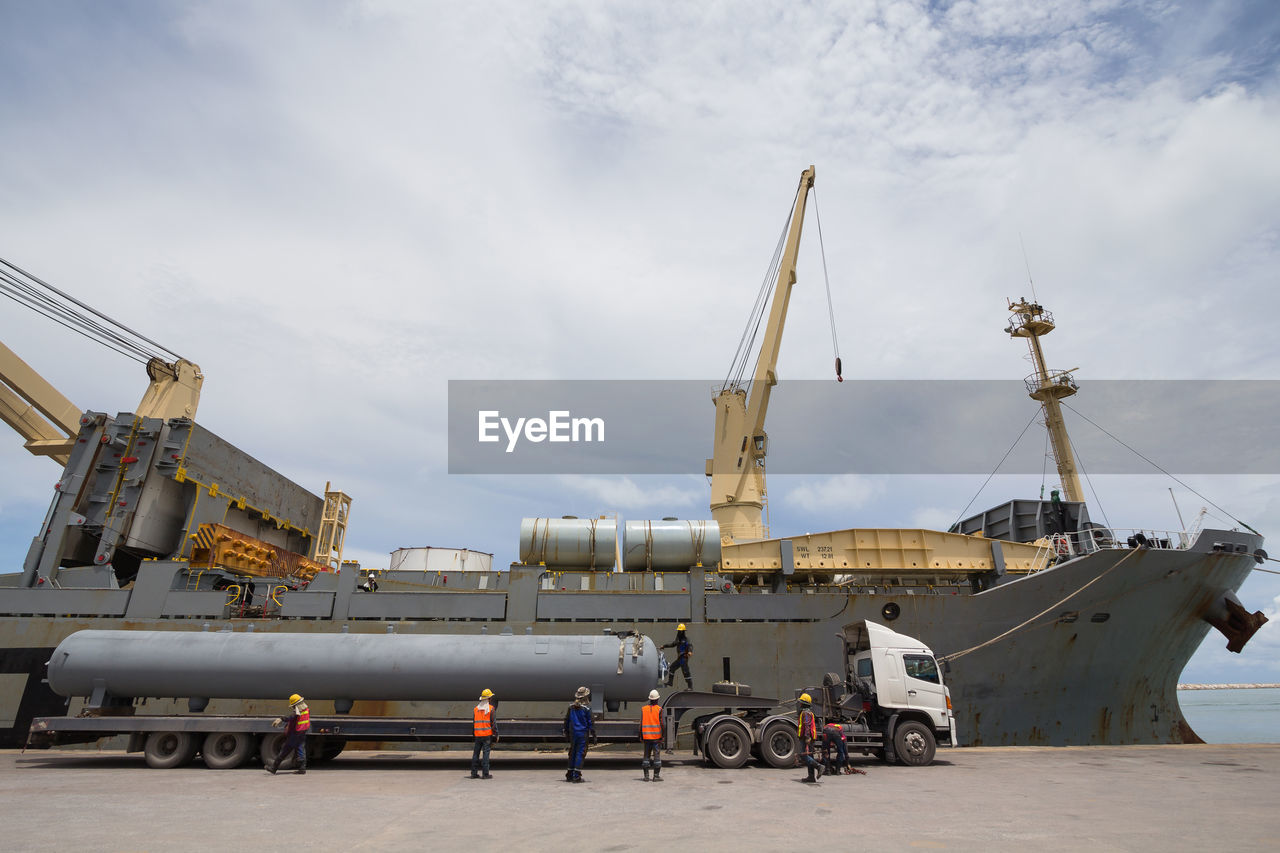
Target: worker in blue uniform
684,651
579,726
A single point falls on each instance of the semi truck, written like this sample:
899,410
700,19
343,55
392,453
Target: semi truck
890,701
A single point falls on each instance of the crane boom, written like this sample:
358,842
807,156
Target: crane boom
736,468
40,413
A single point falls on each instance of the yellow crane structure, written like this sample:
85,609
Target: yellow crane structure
736,468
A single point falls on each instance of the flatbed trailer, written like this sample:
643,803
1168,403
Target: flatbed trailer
230,741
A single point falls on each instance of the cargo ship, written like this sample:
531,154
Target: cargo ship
1055,630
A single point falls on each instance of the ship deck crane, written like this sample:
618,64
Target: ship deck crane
46,419
736,468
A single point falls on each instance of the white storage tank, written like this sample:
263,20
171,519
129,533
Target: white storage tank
432,559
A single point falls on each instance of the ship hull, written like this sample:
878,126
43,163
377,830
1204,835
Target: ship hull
1086,652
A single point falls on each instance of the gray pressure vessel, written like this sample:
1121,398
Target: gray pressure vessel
388,667
577,543
671,544
570,543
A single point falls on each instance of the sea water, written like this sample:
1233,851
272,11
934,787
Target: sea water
1233,715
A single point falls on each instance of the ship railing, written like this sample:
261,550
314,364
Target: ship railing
1056,377
1065,546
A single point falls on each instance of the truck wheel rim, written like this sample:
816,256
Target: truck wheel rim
914,742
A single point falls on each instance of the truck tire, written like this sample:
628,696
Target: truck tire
226,750
268,748
728,746
914,744
169,749
731,688
780,746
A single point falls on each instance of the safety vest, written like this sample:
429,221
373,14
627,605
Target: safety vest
808,726
304,720
484,721
651,722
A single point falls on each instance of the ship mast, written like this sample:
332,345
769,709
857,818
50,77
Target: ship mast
736,468
1029,320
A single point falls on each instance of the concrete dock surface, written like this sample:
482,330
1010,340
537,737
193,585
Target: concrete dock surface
1006,798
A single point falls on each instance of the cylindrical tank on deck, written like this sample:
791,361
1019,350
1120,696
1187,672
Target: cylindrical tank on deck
432,559
386,667
571,543
575,543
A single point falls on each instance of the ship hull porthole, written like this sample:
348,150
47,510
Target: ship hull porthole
891,611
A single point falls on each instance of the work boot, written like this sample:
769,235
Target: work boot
272,767
475,775
486,776
578,779
301,771
657,775
568,775
646,774
819,769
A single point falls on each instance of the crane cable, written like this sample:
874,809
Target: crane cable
25,289
746,343
831,311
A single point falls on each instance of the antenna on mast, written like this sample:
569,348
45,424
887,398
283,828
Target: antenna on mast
1027,263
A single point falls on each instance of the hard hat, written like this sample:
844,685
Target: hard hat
805,698
486,693
680,627
581,693
295,699
653,695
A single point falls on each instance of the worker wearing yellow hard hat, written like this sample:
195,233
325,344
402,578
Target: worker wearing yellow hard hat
684,651
807,729
484,727
295,736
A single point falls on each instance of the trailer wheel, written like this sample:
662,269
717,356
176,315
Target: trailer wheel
225,750
728,746
780,746
169,749
914,744
268,748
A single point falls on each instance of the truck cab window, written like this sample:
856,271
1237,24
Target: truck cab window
864,668
922,667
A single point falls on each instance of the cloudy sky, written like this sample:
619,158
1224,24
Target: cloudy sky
336,208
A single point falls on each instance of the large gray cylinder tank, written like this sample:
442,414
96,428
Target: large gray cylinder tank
387,667
591,543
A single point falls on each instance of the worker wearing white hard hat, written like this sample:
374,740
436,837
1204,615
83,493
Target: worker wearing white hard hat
651,737
579,727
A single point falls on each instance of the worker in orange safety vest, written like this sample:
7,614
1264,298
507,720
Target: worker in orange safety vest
651,737
486,733
295,736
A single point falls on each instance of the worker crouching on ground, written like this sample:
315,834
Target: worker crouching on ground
684,651
835,752
485,728
808,732
651,737
295,736
578,727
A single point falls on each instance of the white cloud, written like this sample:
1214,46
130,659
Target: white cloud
623,494
829,495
